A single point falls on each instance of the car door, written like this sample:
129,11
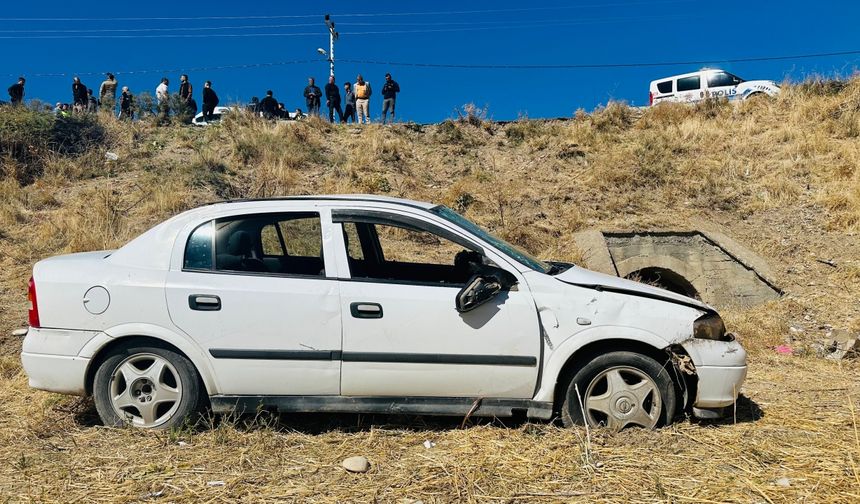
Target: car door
255,291
689,88
722,84
402,335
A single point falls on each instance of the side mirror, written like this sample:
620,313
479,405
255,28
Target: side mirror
482,288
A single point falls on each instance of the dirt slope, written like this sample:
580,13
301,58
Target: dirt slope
780,176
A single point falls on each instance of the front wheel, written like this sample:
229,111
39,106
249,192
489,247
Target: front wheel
619,389
146,386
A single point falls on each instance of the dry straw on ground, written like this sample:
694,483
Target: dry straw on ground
781,176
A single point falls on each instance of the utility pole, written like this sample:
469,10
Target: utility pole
332,36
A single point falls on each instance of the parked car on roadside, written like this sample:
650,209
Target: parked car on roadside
708,83
365,304
217,115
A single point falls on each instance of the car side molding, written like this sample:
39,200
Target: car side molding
396,357
408,405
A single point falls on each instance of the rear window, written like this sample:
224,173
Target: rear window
275,243
665,86
689,83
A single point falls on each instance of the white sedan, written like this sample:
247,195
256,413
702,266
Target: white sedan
365,304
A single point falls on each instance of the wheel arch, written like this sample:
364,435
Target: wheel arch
579,349
588,352
100,348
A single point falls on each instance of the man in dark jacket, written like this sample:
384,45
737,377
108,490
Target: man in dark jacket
332,99
210,101
79,94
269,106
389,97
16,92
312,98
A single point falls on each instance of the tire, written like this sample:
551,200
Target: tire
618,389
147,386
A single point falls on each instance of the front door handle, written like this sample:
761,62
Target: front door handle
362,309
204,302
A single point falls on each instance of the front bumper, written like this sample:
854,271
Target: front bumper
721,368
53,360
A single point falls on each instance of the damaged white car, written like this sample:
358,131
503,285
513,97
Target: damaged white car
365,304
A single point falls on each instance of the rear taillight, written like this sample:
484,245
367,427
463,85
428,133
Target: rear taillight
650,99
33,314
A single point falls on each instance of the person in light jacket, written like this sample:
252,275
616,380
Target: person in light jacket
362,98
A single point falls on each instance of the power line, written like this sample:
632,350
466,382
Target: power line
297,25
572,66
600,65
508,26
358,14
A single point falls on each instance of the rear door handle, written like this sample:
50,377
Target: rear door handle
204,302
361,309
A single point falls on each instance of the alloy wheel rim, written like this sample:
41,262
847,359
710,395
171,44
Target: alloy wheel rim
145,390
620,396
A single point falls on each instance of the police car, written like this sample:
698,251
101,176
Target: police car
708,83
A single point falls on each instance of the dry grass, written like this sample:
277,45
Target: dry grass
780,176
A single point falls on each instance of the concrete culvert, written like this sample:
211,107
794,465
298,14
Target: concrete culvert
665,279
705,265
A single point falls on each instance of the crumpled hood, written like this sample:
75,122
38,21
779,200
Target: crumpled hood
587,278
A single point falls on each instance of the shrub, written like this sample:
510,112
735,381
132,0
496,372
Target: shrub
28,137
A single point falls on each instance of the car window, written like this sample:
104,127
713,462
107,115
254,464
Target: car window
302,236
665,86
409,245
273,243
720,79
512,251
407,255
353,242
689,83
198,250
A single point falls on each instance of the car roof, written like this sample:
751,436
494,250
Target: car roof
358,198
688,74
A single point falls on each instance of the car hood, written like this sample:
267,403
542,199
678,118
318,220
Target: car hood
594,280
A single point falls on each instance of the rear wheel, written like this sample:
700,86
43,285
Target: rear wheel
146,386
620,389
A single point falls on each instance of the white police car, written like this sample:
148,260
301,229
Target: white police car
708,83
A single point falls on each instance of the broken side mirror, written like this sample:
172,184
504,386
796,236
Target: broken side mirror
483,287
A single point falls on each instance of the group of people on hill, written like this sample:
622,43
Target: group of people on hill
353,104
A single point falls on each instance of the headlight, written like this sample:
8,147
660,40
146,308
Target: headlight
709,326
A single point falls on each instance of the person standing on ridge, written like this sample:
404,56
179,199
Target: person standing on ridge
185,95
126,104
107,93
349,103
269,106
79,95
92,103
362,99
312,98
162,96
332,100
389,97
16,91
210,101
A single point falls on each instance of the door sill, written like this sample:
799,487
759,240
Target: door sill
443,406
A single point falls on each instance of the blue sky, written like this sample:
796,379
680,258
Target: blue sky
506,32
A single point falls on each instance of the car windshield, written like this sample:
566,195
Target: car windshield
516,253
